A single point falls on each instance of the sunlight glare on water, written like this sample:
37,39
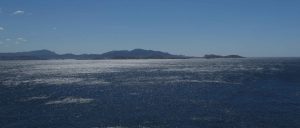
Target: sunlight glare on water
151,93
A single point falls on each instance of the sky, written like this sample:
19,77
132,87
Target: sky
253,28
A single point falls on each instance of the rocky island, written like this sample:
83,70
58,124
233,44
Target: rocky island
213,56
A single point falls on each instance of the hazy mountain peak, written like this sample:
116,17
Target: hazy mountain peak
121,54
43,51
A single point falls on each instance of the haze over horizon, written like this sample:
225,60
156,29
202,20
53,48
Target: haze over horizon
269,28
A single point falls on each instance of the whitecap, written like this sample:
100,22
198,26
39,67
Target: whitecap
35,98
71,100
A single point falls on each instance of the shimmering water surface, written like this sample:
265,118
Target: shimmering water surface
190,93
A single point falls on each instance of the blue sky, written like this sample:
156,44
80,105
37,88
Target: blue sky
189,27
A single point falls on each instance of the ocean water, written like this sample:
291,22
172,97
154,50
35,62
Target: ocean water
188,93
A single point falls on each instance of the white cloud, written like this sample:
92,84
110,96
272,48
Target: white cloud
1,28
21,39
7,39
19,12
1,42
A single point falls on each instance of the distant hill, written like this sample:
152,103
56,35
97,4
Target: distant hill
140,54
122,54
31,55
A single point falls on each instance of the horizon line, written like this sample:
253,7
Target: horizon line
154,50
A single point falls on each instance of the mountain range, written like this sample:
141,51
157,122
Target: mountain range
121,54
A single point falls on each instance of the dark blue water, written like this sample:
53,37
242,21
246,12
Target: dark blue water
192,93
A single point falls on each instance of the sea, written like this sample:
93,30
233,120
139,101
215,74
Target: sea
150,93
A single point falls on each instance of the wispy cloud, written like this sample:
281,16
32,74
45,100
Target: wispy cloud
19,12
1,28
21,39
16,41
